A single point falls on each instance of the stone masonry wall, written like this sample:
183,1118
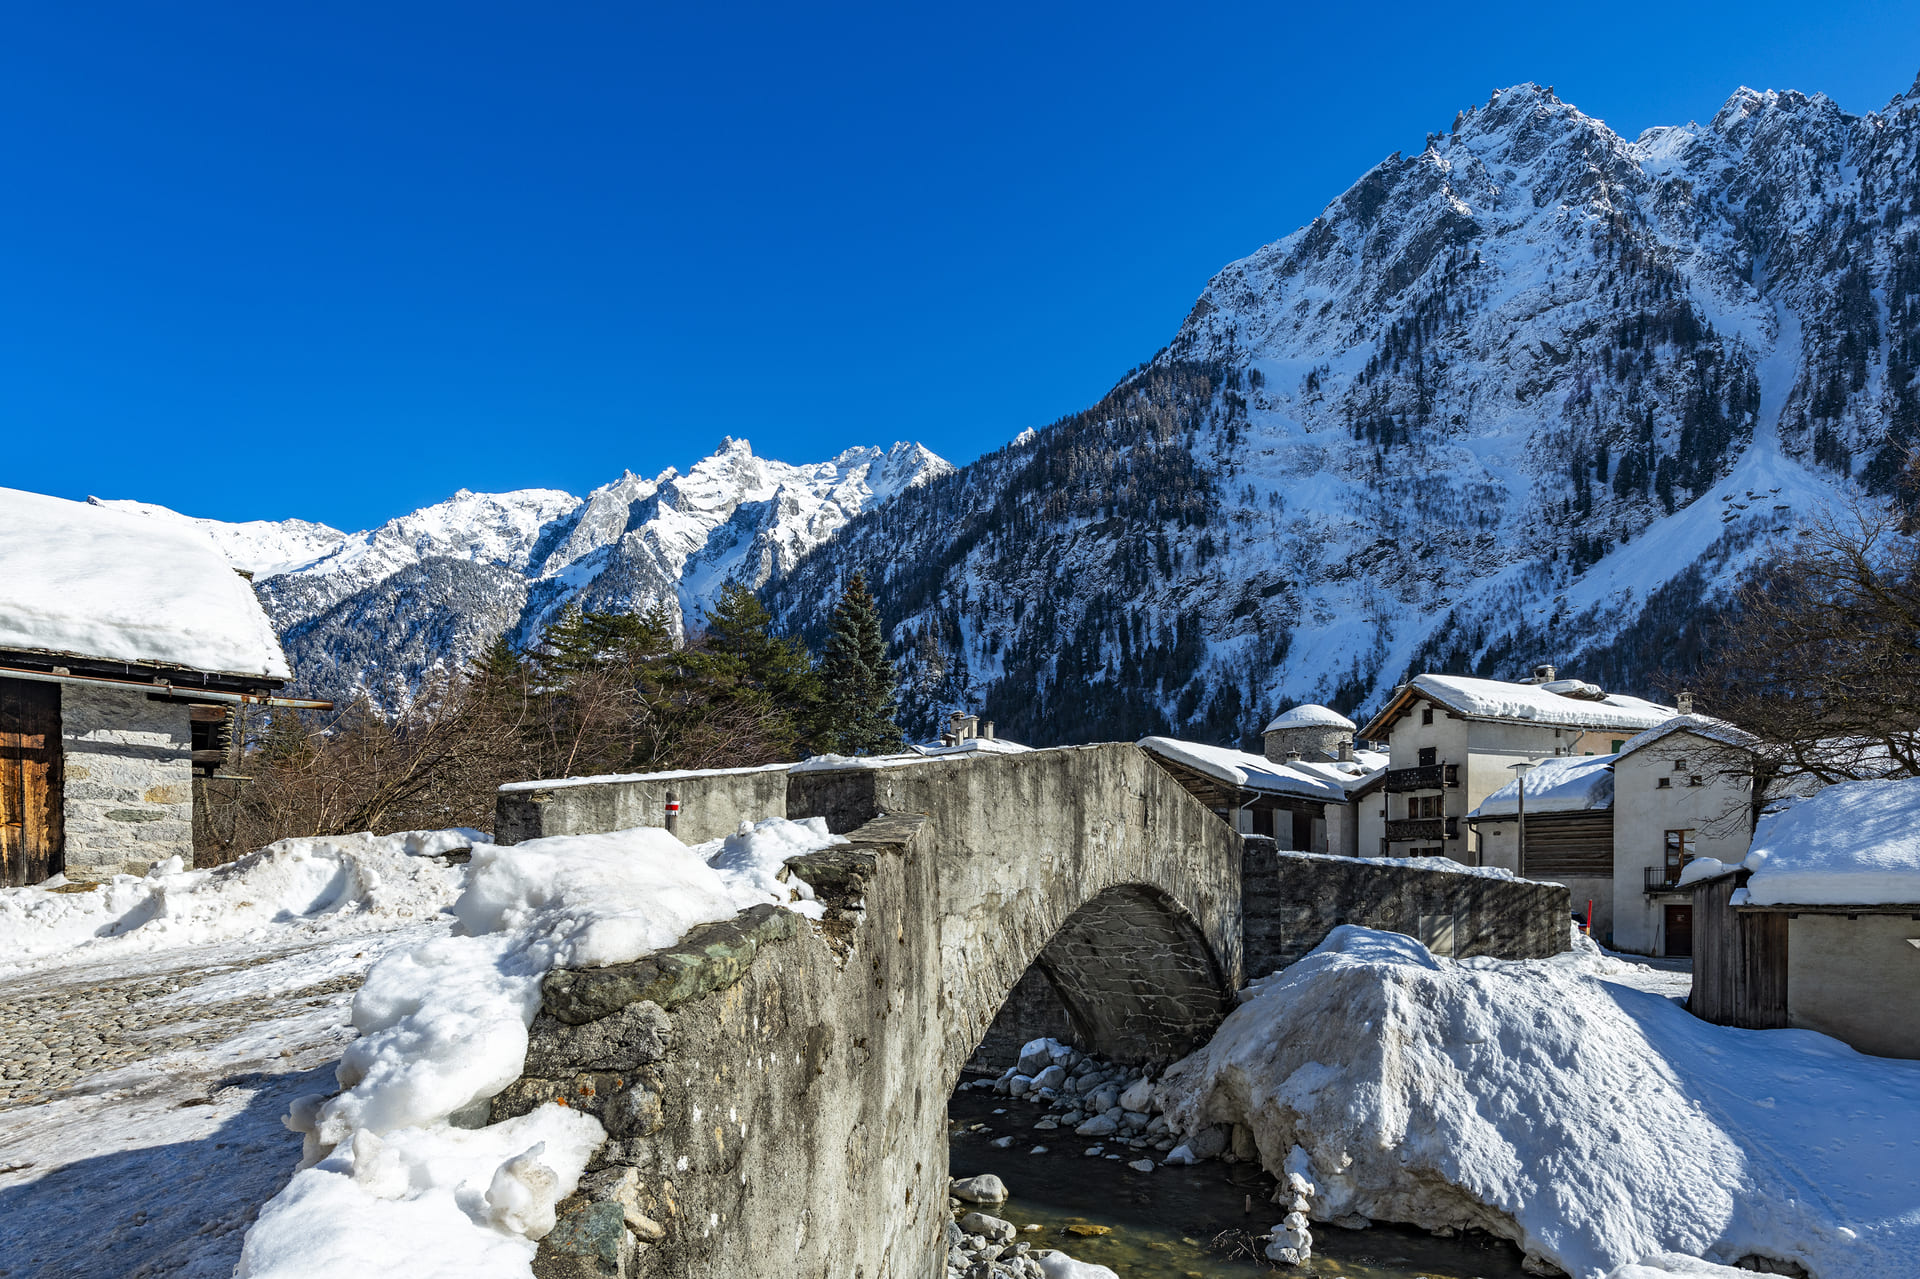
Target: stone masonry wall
129,781
712,803
1291,901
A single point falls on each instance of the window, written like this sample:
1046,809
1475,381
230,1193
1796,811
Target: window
1429,852
1617,744
1662,783
1429,756
1696,780
1679,765
1426,806
1679,852
1426,714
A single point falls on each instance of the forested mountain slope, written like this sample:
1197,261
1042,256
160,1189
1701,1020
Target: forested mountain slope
1535,393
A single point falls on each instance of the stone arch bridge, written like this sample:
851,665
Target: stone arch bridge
775,1090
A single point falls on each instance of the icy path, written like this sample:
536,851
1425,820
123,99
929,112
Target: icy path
140,1113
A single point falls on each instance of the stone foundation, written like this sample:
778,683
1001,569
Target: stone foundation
129,781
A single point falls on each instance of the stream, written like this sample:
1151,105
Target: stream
1179,1223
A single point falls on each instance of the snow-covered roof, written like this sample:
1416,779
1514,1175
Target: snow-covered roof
1854,843
1717,730
1248,772
1577,705
1566,784
87,581
1310,715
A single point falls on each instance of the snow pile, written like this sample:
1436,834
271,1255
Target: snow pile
387,1181
1566,784
1438,865
287,890
1594,1124
1239,768
1853,843
1534,703
96,582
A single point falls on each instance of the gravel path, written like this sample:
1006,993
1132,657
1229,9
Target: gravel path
140,1101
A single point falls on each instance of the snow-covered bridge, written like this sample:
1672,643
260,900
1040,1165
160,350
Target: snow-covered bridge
780,1088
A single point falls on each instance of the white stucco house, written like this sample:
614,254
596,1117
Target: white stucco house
125,644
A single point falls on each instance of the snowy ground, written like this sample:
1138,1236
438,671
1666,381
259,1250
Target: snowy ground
141,1127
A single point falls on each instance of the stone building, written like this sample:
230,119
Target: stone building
126,643
1309,732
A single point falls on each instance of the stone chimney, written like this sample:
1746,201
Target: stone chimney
1542,674
986,730
1346,750
1684,703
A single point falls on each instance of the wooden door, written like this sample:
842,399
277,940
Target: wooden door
32,836
1680,931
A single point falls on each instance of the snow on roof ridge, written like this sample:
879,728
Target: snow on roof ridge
1498,699
1718,730
1242,769
1560,784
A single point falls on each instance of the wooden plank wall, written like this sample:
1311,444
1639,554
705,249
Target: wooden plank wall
1739,960
1569,844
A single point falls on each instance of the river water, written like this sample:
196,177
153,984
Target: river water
1180,1223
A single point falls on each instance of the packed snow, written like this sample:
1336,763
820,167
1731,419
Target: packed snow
89,581
1854,843
675,775
1564,784
1600,1127
387,1179
1535,703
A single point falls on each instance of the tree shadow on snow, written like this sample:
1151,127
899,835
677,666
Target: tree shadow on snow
178,1209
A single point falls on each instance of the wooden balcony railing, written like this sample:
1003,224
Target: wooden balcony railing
1423,777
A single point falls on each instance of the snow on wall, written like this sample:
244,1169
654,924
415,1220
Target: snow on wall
94,582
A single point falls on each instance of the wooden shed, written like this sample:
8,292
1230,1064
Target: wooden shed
1739,957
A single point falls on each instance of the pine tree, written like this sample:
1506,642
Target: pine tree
861,693
762,687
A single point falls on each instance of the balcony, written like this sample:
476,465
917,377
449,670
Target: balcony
1424,777
1424,829
1660,879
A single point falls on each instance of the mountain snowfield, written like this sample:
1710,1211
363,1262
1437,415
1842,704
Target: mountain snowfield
378,611
1536,393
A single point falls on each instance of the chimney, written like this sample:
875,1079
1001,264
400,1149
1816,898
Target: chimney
1543,673
1684,703
986,730
1346,750
1293,757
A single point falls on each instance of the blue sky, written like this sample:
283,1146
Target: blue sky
339,261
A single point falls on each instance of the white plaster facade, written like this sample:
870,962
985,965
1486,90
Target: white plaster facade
128,793
1679,783
1857,979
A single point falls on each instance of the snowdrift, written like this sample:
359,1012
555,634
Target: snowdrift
286,891
1595,1125
389,1182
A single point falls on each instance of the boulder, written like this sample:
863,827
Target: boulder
983,1189
1098,1126
1137,1096
993,1229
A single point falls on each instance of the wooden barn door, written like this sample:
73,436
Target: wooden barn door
32,837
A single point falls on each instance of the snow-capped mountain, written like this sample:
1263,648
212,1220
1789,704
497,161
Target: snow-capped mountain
1536,392
377,611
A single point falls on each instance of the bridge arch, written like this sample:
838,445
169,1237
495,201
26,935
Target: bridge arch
832,1049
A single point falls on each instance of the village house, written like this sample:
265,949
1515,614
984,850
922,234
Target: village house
1298,794
1619,829
126,643
1817,926
1452,741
